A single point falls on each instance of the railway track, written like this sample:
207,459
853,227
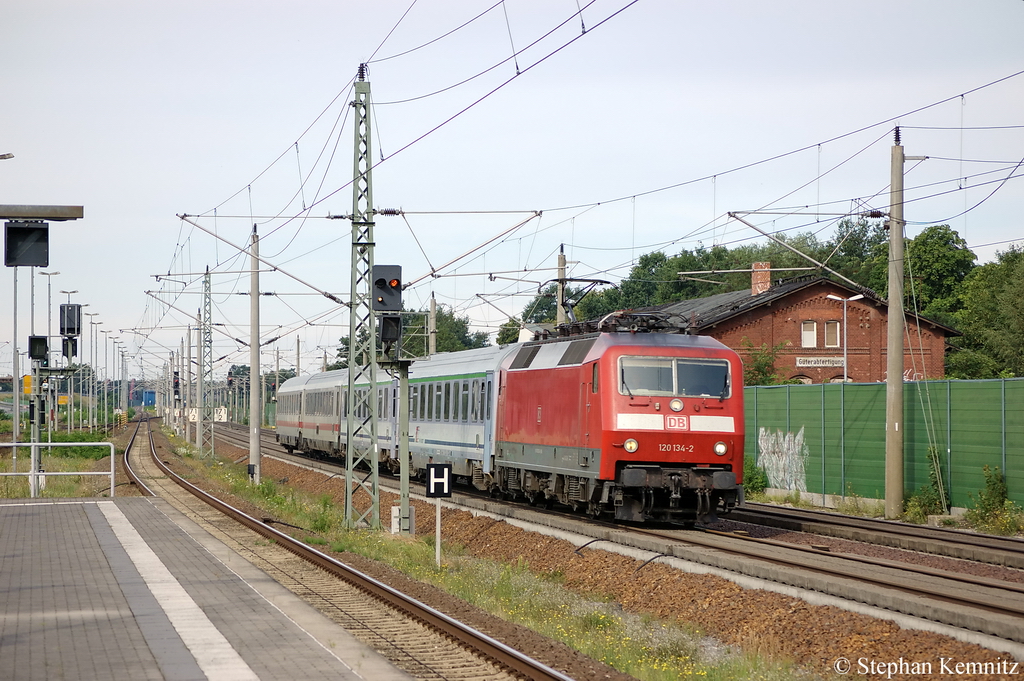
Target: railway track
420,640
1007,551
991,606
966,546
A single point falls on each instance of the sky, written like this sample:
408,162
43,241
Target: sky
609,128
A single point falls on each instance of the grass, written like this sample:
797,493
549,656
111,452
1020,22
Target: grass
648,649
57,460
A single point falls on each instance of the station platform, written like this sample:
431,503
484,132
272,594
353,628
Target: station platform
131,589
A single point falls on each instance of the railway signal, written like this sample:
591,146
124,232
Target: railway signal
38,348
387,288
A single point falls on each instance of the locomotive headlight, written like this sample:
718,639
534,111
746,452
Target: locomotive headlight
721,448
676,405
631,445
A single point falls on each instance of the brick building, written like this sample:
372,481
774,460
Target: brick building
800,313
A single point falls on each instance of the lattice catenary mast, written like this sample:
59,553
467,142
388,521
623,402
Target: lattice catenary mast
361,448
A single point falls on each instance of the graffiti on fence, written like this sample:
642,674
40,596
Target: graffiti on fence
783,456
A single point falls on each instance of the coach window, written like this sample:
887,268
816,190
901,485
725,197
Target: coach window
481,400
474,401
809,334
446,405
487,400
831,334
455,400
465,402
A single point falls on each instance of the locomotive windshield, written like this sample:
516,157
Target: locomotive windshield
674,376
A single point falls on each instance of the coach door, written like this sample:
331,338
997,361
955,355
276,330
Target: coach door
489,406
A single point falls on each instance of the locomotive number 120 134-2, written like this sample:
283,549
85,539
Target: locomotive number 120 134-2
671,447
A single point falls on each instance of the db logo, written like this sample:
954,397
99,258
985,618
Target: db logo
676,423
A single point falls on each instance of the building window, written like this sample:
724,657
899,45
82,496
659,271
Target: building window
831,334
809,334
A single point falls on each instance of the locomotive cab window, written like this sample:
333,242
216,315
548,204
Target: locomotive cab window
673,376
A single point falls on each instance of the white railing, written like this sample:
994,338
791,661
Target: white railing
37,479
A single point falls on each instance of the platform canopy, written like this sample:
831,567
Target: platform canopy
54,213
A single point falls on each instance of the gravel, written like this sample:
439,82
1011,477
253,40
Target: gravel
755,621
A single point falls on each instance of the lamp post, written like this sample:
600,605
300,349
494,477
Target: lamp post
846,368
92,367
88,358
114,374
106,377
49,349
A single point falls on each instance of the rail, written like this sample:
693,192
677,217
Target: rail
504,655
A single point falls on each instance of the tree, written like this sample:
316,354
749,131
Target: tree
509,331
938,262
341,356
860,251
991,318
759,363
543,309
453,333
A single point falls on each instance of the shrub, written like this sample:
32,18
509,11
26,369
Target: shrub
755,479
78,452
993,512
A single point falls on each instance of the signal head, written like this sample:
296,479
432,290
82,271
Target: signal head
387,285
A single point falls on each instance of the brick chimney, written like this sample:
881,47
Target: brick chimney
760,278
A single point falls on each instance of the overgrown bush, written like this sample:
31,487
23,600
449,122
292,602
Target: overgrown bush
993,512
78,452
928,500
755,479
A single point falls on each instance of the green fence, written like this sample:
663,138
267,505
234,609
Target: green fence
830,439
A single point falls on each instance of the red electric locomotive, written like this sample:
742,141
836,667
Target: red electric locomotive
644,426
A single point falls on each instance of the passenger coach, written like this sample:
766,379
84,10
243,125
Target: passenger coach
641,426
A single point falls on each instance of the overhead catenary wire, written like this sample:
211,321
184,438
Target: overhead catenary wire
1005,179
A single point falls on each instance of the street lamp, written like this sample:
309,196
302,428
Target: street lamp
846,368
106,379
115,373
49,310
69,295
92,367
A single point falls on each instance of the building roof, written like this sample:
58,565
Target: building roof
697,314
